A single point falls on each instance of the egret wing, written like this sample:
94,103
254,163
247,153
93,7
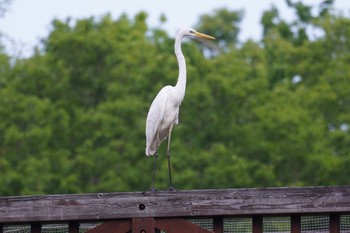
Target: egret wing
154,119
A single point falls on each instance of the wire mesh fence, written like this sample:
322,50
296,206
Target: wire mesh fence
276,224
345,223
54,228
309,224
204,223
313,224
48,228
238,225
17,229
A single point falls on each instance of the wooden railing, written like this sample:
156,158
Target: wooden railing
168,211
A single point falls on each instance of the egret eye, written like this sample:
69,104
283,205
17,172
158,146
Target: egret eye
192,32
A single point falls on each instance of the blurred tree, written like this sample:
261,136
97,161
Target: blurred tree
269,113
4,4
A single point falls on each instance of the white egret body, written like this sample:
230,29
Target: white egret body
164,111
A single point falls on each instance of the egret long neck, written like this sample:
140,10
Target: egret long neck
181,81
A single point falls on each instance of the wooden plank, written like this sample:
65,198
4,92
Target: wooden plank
334,223
295,223
176,225
191,203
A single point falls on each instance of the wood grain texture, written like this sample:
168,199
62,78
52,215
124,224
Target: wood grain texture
191,203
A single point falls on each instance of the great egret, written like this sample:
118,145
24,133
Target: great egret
164,111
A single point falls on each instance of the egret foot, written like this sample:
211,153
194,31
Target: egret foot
151,190
172,189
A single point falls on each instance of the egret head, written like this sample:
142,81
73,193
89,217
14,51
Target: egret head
186,31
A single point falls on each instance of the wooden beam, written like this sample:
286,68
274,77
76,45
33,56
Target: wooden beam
191,203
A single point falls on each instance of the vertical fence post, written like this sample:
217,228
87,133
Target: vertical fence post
35,228
218,225
257,224
73,227
295,224
334,223
1,228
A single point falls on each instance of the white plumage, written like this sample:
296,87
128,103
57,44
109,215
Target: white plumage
164,111
163,114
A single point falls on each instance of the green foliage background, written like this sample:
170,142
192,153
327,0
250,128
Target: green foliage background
275,112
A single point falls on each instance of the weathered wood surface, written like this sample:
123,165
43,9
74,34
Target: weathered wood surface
228,202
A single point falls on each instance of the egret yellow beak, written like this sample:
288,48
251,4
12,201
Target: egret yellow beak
204,36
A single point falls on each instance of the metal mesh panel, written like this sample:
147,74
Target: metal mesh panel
48,228
345,224
313,224
204,223
309,224
276,224
84,227
238,225
54,228
17,229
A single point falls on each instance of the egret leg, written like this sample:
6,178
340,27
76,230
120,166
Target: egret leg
171,187
154,171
